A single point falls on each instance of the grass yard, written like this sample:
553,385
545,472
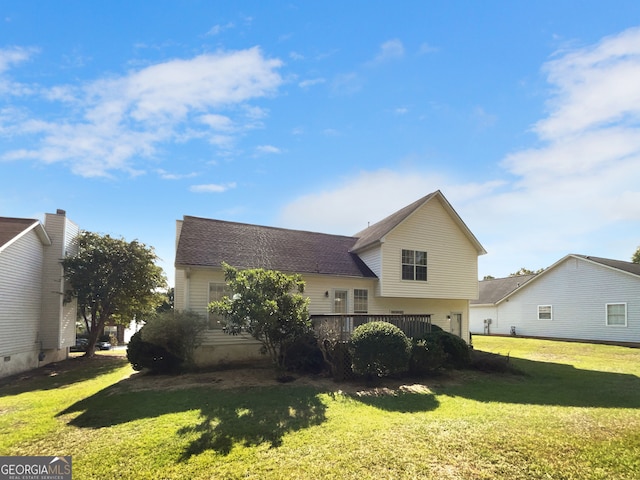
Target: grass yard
574,413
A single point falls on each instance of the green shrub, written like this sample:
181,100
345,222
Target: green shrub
143,354
179,333
458,354
427,356
304,355
379,349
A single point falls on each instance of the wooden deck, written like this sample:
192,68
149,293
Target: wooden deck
342,325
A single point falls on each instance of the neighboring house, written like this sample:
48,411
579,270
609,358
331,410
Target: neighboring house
37,326
420,260
578,298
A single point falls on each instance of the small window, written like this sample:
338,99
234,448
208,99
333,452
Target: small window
616,314
360,300
414,265
544,312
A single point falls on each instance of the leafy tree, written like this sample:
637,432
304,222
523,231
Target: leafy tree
526,271
636,256
268,304
167,301
489,277
113,280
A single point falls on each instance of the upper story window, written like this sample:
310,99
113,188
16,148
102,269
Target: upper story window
544,312
414,265
360,300
616,314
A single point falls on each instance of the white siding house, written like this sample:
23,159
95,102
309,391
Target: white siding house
578,298
36,326
420,260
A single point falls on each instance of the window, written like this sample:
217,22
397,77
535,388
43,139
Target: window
544,312
360,301
216,292
414,265
616,314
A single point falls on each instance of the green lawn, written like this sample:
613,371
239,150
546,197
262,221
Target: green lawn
574,413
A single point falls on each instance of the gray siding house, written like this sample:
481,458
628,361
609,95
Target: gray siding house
420,260
578,298
36,325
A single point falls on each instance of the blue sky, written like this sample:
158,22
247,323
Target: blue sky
325,116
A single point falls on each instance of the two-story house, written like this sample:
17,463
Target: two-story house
37,325
422,259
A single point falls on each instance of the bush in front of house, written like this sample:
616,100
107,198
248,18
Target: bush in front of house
427,356
457,352
304,355
143,355
179,333
379,349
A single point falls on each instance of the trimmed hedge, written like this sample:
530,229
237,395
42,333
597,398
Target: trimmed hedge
379,349
143,354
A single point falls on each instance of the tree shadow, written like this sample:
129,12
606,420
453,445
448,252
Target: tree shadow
249,417
61,374
553,384
404,399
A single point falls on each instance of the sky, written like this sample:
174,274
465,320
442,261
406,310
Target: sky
327,116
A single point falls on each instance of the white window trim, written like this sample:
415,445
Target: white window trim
354,300
606,315
550,312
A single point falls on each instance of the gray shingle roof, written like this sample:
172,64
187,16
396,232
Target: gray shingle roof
11,227
208,243
491,291
628,267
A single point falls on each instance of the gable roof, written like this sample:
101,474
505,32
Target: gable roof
492,291
503,288
207,243
13,228
628,267
376,232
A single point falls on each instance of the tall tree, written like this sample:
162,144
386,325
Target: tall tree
268,304
526,271
113,280
636,256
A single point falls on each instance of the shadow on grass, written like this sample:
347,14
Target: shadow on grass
400,401
557,384
61,374
249,417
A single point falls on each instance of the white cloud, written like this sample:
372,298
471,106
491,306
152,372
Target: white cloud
266,149
118,121
389,50
577,191
14,55
311,82
212,188
175,176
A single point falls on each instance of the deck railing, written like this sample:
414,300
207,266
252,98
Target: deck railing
341,326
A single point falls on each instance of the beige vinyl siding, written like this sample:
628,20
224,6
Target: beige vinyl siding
452,260
373,259
20,302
